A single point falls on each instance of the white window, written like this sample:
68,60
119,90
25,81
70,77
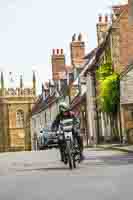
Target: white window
20,119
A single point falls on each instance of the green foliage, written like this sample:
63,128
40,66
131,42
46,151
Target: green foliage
103,71
109,96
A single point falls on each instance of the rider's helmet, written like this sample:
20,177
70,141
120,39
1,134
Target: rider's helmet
63,107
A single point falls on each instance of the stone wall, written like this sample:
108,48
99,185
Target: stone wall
126,88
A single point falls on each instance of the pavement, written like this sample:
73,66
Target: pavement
120,147
104,175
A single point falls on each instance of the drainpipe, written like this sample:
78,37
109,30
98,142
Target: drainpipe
120,123
97,136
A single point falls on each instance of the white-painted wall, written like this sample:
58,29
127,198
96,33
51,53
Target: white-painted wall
38,121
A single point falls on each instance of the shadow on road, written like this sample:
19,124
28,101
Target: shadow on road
44,169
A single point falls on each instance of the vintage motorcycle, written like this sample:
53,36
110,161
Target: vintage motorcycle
69,148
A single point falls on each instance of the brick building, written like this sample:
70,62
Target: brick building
58,59
122,36
126,55
63,75
58,64
118,34
126,92
77,51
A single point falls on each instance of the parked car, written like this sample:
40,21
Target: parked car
47,139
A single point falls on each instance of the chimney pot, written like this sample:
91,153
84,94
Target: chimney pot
100,18
57,51
62,51
53,51
106,18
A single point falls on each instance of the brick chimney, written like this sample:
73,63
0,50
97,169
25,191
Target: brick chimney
58,63
102,27
77,49
130,12
106,18
100,18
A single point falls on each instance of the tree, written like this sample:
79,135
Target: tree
109,93
109,96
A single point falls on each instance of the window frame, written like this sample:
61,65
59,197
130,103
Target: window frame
20,118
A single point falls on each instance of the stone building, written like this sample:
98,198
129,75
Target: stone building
15,108
115,42
121,35
43,114
45,110
78,106
124,26
126,102
93,116
62,87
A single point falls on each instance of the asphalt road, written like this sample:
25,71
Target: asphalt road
104,175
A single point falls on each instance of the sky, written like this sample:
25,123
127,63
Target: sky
30,29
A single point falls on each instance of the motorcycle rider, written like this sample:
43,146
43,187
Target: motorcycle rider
66,114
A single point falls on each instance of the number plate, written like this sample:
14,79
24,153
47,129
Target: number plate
68,135
61,137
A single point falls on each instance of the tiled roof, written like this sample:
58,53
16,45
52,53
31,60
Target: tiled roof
91,54
96,54
50,99
77,100
42,104
121,8
119,11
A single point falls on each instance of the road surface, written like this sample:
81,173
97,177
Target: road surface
104,175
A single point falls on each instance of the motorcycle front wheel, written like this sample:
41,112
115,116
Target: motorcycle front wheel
69,154
74,162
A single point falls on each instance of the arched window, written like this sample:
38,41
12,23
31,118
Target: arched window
20,119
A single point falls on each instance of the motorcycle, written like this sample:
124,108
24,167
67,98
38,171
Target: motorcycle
70,151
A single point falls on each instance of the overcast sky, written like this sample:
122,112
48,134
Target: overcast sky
30,29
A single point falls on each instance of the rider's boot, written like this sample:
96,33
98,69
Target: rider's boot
61,156
62,159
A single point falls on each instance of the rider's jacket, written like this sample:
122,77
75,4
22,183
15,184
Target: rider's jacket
68,120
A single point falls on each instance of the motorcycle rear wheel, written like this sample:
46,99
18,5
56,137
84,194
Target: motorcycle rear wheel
74,162
69,154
